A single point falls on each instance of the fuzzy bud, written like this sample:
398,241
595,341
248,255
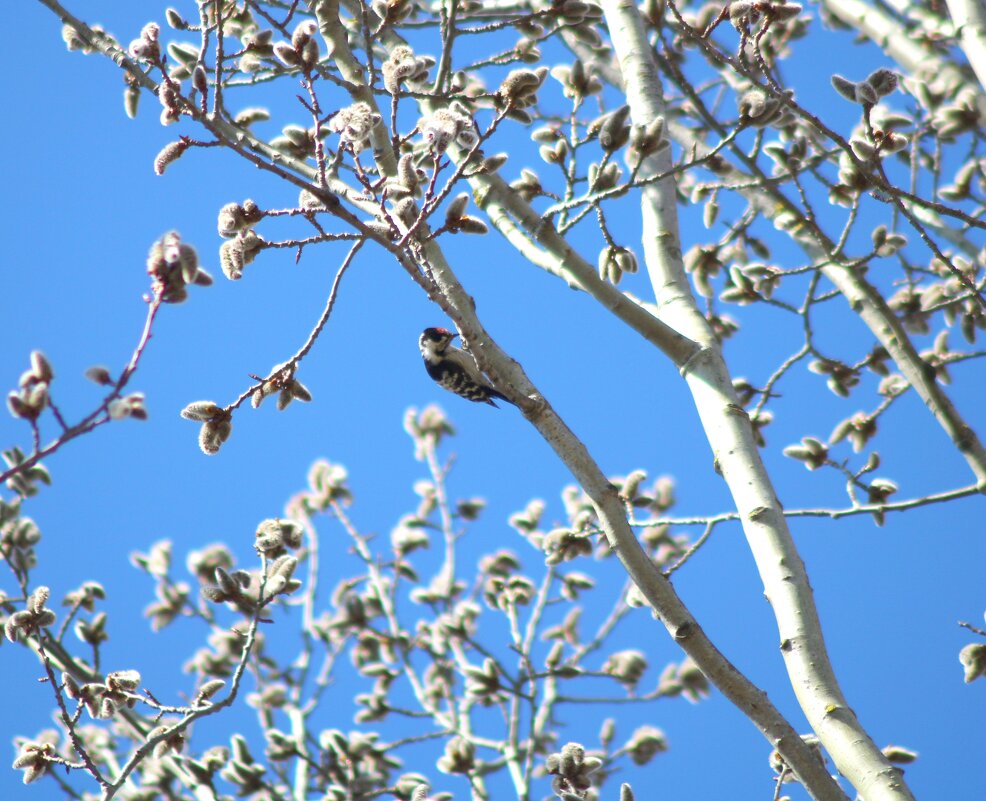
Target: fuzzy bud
286,54
844,87
614,131
147,46
131,100
200,80
883,81
213,435
439,130
175,19
865,94
456,208
169,93
170,153
520,87
354,124
400,66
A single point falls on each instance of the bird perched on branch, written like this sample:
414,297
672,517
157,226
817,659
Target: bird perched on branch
455,369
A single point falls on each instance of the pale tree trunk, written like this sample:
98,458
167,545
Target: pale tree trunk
969,17
731,436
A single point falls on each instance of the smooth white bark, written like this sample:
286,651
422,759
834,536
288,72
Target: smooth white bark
969,17
730,434
896,41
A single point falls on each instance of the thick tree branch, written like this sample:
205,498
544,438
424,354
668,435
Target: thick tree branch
969,17
655,587
729,432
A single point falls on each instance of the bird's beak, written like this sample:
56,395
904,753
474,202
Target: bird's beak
453,335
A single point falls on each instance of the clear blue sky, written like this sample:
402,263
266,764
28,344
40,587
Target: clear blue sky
81,206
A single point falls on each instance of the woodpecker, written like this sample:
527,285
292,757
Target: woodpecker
455,369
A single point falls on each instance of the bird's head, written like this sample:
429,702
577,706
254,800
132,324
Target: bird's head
435,340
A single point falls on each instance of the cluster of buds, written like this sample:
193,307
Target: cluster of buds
257,45
627,667
518,92
483,683
354,124
217,424
31,396
749,283
972,657
327,484
409,535
274,535
74,41
858,429
505,592
448,125
612,130
456,220
238,252
408,181
167,741
564,545
705,262
555,153
614,261
147,47
131,405
173,265
528,186
427,428
646,743
576,12
576,81
459,757
303,50
298,142
34,757
841,377
243,771
19,536
684,679
882,143
877,492
878,84
873,139
811,452
578,18
352,610
282,381
237,217
758,109
391,11
35,617
964,114
241,589
169,93
571,769
403,215
185,57
647,139
403,65
103,699
744,15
